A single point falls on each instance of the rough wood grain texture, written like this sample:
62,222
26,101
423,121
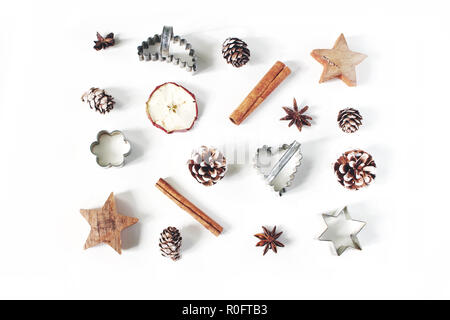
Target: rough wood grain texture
106,225
189,207
339,62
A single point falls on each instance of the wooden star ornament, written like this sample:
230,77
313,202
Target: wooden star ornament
106,225
339,62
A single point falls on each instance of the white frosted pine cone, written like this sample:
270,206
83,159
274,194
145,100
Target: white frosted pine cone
207,165
355,169
349,120
98,100
170,243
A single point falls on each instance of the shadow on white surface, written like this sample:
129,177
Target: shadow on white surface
126,206
367,211
122,97
204,50
294,66
310,151
382,155
371,118
234,169
259,49
139,145
363,70
284,239
191,235
201,96
121,41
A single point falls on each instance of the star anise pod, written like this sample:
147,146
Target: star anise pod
269,239
104,42
297,117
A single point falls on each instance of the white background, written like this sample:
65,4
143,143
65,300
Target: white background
48,173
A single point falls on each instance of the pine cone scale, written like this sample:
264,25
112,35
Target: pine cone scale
98,100
355,169
349,120
235,52
170,243
207,165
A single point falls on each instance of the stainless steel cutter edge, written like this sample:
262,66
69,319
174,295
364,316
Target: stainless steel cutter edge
283,147
165,39
340,250
97,142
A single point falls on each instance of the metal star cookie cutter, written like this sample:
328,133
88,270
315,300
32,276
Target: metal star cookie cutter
354,242
102,155
148,52
281,175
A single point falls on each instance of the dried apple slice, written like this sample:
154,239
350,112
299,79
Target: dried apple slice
172,108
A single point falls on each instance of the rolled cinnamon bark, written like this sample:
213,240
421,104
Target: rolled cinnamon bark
260,92
189,207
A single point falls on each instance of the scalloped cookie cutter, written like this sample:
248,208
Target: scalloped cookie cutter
111,149
281,175
148,52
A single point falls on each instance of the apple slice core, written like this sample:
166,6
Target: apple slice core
171,108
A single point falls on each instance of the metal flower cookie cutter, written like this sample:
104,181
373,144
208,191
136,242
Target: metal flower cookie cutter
281,174
149,50
111,149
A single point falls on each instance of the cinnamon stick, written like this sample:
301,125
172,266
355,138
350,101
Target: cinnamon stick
260,92
189,207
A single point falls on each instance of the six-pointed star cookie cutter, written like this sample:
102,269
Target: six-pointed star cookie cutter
147,51
97,143
355,242
279,183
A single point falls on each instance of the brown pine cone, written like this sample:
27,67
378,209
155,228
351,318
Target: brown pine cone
98,100
207,165
170,243
235,51
349,120
355,169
